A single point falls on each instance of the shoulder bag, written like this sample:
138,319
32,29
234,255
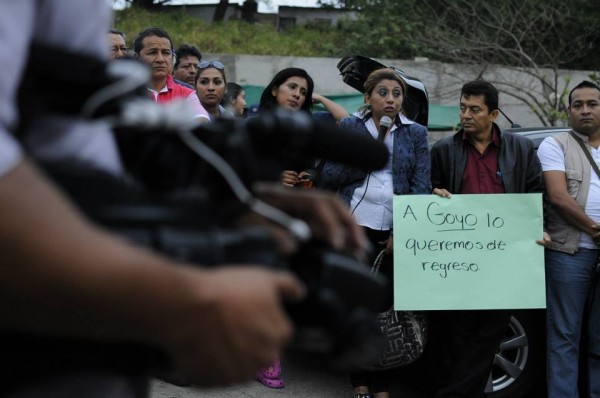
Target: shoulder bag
405,333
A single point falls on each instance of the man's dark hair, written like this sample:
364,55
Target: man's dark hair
268,102
482,87
117,32
158,32
186,50
583,84
232,91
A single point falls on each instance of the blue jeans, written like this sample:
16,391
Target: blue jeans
568,280
594,333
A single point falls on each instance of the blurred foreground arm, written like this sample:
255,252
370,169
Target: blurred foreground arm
61,275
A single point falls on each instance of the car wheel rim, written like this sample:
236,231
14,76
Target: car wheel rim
511,358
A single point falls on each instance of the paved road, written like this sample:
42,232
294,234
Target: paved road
304,378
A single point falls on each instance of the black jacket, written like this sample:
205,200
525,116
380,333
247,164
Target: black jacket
517,161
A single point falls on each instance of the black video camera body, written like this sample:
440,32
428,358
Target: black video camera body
177,202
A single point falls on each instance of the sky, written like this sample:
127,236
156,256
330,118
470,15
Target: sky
264,6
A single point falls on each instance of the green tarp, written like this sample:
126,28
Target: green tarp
441,117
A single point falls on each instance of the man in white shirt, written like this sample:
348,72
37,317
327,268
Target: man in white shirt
573,222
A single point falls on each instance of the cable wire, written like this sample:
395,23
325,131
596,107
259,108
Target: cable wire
297,227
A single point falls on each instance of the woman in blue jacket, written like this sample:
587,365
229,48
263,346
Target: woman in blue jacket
370,195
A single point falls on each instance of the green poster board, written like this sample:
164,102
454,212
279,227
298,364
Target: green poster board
468,252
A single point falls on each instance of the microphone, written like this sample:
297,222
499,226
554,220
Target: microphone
384,124
302,136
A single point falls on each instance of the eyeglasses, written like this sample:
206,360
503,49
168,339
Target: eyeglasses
116,49
214,64
187,66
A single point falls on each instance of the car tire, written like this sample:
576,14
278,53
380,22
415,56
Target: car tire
520,364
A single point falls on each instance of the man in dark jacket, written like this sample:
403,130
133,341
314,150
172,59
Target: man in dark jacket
479,159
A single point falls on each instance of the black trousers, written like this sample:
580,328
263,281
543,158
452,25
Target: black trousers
463,345
377,381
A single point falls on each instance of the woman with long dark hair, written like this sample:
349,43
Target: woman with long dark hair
293,89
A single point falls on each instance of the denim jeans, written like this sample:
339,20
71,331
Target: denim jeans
568,280
594,333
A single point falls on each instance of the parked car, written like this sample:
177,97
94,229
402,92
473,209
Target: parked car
537,134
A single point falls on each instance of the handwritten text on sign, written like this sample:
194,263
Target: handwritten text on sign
468,252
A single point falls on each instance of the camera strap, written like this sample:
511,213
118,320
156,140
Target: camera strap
586,152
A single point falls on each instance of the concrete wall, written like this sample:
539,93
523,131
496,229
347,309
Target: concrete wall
443,81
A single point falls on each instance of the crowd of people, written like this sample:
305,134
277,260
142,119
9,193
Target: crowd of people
66,282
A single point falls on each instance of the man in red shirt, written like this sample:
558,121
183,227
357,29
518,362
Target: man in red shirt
154,47
478,159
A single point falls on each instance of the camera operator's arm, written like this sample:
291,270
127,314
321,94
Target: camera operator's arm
60,275
326,214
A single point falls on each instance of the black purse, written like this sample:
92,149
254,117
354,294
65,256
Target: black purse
405,333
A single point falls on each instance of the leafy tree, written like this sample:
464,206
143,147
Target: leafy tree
220,10
533,38
384,29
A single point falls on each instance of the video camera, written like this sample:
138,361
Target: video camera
189,185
